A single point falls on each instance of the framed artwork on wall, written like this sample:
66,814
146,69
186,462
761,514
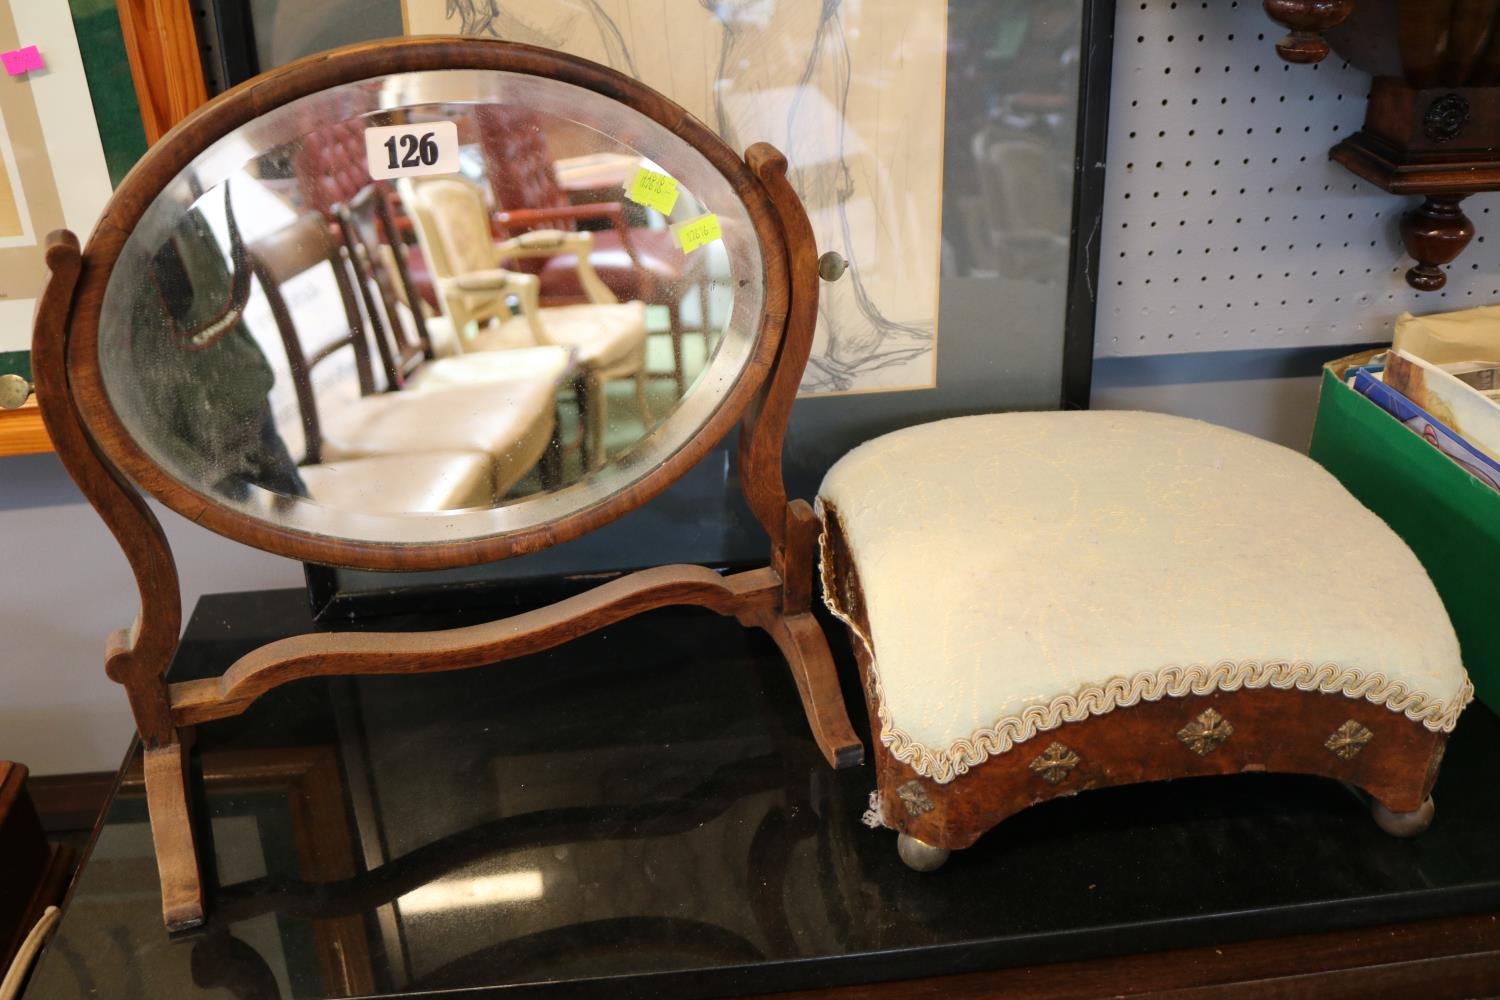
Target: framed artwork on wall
56,172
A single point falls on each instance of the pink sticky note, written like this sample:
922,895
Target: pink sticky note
20,61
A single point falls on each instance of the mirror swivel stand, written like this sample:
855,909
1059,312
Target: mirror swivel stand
777,598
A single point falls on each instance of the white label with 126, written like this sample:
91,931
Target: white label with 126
412,150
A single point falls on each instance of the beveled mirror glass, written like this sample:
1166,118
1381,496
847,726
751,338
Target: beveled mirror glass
431,307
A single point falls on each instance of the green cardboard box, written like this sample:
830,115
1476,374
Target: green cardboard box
1450,519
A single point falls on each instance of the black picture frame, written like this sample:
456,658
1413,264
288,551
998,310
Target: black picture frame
1095,69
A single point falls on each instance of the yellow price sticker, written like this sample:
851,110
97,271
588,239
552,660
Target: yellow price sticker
654,190
695,233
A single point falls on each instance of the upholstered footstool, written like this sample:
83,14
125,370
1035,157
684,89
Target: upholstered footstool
1044,603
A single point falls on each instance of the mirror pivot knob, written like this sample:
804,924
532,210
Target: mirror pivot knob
14,391
832,265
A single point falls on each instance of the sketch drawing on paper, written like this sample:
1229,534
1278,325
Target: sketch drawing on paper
12,218
866,159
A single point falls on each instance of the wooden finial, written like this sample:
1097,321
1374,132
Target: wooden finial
1435,232
1307,20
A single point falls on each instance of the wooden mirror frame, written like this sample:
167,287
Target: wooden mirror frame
168,158
111,470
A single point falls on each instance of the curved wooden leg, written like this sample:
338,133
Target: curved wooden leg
805,647
674,330
172,832
643,402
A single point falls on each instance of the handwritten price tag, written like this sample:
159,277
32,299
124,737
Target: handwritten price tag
699,232
412,150
654,190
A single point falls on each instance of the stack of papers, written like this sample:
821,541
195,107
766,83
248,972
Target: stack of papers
1441,378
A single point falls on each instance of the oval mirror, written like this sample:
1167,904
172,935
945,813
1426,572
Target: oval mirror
472,302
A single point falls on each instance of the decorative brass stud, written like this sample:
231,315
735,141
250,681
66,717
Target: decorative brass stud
914,797
1206,733
1348,740
1054,763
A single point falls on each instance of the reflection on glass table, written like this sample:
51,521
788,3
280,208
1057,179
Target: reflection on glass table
642,814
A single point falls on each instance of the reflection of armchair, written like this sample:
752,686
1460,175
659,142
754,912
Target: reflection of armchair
427,439
371,237
608,338
1027,207
402,336
635,263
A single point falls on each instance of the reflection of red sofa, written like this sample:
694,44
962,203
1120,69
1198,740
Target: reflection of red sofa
635,263
331,170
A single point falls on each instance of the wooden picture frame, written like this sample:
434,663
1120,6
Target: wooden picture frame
107,71
162,47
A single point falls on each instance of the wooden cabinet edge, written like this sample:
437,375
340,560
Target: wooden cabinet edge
161,46
22,431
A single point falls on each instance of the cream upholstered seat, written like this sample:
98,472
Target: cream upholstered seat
1022,571
534,366
510,421
418,483
605,337
544,364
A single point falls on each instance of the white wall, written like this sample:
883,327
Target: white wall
1271,394
65,586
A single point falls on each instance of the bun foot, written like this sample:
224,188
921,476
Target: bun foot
1407,824
919,856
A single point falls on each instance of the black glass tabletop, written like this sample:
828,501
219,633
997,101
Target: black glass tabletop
643,813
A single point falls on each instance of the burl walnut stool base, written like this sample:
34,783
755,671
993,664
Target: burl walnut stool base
1045,603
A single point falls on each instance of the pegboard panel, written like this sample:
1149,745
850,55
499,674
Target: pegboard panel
1225,225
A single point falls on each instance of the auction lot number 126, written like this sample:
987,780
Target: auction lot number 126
414,150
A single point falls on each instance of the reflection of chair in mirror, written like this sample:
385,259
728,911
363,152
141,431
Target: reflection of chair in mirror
633,261
374,244
330,167
402,335
402,338
510,421
1027,206
608,337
